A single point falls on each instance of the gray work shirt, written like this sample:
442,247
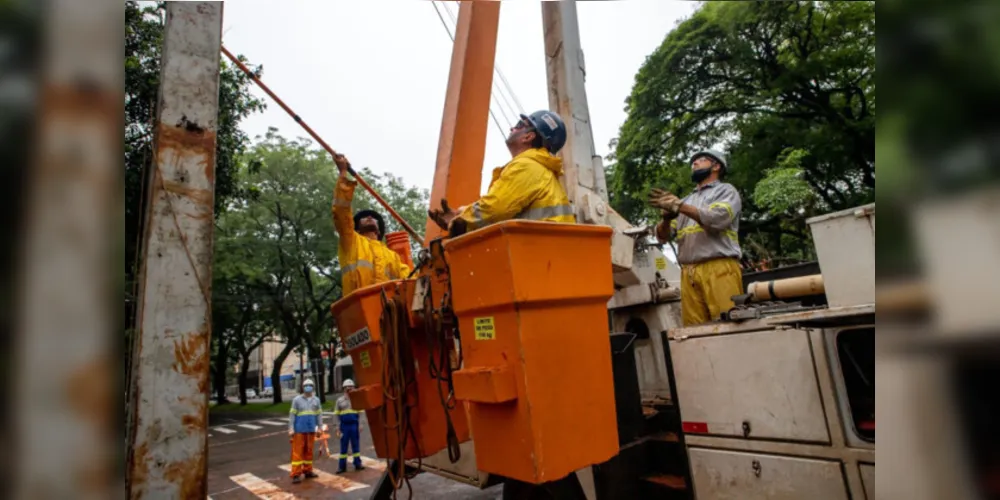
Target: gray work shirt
717,236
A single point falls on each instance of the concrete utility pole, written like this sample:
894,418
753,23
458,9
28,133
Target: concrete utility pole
585,183
584,168
63,382
167,445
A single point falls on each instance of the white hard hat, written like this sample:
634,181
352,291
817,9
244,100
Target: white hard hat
308,382
348,383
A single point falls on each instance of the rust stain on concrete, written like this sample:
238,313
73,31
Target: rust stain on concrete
191,358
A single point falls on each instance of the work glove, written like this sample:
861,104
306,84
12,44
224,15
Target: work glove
342,164
443,216
665,201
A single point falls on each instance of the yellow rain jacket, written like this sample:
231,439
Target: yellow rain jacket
526,188
363,261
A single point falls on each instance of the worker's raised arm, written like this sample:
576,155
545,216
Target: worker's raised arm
343,196
520,184
723,209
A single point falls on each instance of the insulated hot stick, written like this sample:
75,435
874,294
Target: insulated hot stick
378,198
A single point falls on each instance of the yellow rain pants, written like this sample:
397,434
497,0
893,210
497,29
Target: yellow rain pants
707,289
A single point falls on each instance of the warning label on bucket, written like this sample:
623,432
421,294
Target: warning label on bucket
484,328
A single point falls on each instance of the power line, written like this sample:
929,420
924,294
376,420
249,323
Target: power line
517,101
499,90
452,36
503,79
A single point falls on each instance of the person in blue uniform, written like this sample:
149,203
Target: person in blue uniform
348,429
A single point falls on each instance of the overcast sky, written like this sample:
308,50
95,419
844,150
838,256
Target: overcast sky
370,77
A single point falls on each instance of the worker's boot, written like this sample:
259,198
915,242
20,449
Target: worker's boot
296,479
311,475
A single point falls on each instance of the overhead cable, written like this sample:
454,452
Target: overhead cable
518,108
452,36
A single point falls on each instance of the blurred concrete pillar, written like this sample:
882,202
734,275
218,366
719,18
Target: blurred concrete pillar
65,384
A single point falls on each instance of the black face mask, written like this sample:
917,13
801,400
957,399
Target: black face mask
701,174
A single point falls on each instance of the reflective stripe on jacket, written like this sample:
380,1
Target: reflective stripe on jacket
306,414
363,261
526,188
347,415
717,236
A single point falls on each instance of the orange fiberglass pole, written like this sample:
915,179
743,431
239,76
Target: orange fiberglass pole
295,116
458,174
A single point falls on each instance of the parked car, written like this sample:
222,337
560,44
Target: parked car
267,392
251,394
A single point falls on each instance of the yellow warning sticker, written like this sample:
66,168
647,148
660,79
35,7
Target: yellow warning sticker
661,263
485,330
366,359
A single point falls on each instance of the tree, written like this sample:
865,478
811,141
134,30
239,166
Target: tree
239,322
278,235
788,88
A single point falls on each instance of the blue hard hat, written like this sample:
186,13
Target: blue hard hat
550,126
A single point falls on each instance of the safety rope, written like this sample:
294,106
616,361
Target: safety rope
397,383
438,323
441,369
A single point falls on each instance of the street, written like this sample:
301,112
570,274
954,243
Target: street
248,458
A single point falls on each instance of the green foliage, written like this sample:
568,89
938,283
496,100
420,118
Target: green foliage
277,237
276,247
761,80
783,189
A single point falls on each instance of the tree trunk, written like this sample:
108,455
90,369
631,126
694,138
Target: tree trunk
321,379
221,362
276,370
244,368
331,355
316,368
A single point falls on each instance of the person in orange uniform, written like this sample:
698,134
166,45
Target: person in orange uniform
364,259
304,417
527,187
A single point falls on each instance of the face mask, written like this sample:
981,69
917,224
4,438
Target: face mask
701,174
308,388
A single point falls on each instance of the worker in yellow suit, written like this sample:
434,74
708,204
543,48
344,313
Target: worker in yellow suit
705,225
527,187
364,259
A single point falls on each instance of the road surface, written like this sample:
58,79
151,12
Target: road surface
248,458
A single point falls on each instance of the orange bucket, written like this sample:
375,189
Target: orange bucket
399,242
358,318
531,300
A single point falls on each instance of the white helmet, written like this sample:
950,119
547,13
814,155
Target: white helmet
308,382
348,383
